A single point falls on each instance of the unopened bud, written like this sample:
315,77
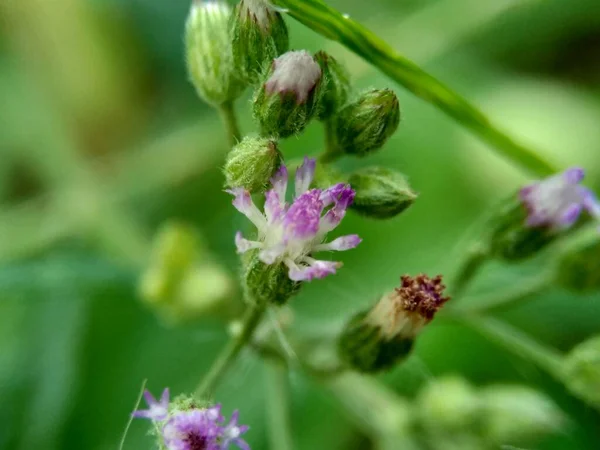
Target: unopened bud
208,52
259,36
380,193
579,268
252,163
379,338
268,283
517,415
366,124
289,96
448,404
581,371
336,85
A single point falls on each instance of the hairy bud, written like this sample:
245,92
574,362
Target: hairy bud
259,35
380,193
336,85
208,52
289,96
252,163
366,124
268,283
581,371
379,338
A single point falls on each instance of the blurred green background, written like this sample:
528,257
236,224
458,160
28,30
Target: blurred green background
102,139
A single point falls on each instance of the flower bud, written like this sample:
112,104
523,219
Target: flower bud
379,338
448,404
268,283
366,124
579,268
289,96
252,163
259,36
208,52
517,415
380,193
581,371
336,85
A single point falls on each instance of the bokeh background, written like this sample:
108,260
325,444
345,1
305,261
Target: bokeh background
103,139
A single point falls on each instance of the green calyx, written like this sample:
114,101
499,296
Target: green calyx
380,193
268,283
259,34
336,85
579,268
209,54
252,163
363,347
366,124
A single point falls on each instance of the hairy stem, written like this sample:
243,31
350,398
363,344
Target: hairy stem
229,118
251,320
330,23
278,407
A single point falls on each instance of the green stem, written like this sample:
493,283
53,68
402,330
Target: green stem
278,407
251,320
330,23
331,151
518,342
229,118
468,269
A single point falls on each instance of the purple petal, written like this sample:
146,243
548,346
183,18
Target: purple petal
270,255
590,202
273,206
570,215
330,195
574,175
318,269
244,204
156,411
142,414
340,244
331,219
214,413
303,218
305,175
279,181
526,191
150,400
164,398
243,445
243,245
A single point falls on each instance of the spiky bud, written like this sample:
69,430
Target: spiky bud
380,193
259,36
209,55
379,338
581,371
366,124
268,283
579,268
336,85
252,163
289,96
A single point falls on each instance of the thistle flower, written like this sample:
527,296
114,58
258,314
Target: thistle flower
157,410
379,338
289,234
558,201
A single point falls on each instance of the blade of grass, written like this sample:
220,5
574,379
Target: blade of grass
330,23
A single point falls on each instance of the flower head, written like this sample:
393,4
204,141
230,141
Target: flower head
291,233
157,410
558,201
294,72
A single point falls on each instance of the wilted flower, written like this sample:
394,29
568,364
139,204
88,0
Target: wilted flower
291,233
157,410
558,201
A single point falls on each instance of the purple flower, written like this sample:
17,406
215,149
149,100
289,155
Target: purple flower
156,411
291,233
192,430
559,200
232,432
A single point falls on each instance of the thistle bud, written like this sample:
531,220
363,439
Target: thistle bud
209,55
518,415
579,268
259,36
336,85
366,124
289,96
252,163
581,371
268,283
380,193
379,338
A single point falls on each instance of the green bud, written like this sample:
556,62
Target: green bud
366,124
517,415
252,163
336,85
289,96
579,268
259,36
268,284
581,371
208,52
380,193
381,337
448,404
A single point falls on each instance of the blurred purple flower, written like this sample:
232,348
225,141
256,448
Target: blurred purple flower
157,410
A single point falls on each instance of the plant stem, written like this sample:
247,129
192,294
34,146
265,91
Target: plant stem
470,266
331,151
229,118
278,408
330,23
252,317
516,341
